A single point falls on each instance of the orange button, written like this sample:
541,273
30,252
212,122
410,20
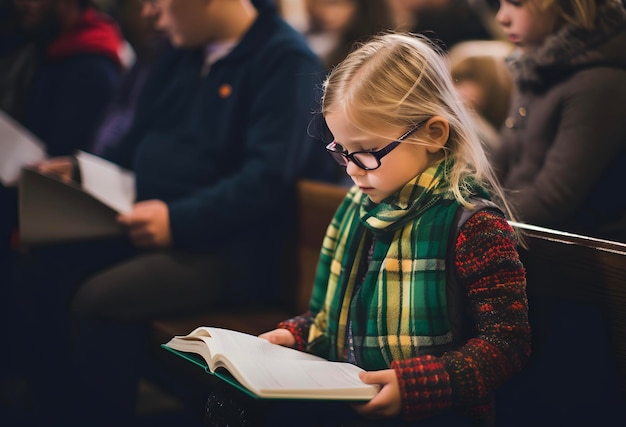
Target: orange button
225,90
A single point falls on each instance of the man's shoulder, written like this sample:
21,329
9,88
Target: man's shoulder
274,37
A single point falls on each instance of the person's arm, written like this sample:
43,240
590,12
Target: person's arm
588,136
489,268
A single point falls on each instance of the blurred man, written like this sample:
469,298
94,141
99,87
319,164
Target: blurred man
218,140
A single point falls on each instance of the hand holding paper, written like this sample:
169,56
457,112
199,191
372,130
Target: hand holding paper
61,167
148,224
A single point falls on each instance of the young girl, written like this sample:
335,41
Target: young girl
564,147
481,77
432,306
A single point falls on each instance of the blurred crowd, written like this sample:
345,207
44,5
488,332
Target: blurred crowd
141,83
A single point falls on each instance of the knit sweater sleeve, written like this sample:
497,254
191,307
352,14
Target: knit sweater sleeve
489,269
299,327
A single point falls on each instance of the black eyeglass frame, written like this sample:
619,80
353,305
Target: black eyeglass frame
342,157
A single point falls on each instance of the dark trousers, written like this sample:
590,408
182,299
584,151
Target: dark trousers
79,315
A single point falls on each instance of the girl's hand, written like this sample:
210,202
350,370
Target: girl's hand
148,224
280,336
387,403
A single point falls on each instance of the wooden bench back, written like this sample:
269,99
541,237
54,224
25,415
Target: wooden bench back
557,264
583,269
317,203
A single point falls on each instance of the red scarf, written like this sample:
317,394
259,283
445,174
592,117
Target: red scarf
94,33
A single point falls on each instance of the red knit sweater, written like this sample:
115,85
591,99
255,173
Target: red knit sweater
489,269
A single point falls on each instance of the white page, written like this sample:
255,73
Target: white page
18,148
282,368
107,182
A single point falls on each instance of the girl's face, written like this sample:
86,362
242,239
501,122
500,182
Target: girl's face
398,167
525,23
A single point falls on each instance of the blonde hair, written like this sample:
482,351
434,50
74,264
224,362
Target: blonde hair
402,79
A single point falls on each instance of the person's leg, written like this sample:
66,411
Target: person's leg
151,285
43,283
8,223
112,310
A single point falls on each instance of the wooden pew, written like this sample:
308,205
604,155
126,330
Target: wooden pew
316,205
558,264
567,266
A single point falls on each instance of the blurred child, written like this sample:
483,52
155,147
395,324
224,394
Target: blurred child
480,74
419,280
481,77
562,155
564,145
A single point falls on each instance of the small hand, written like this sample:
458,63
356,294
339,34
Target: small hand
387,403
280,336
62,167
148,224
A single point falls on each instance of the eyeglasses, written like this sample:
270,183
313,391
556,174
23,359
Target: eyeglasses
367,160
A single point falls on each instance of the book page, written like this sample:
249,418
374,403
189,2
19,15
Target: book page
18,148
271,370
233,343
107,182
331,380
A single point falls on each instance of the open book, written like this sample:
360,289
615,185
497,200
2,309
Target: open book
52,210
265,370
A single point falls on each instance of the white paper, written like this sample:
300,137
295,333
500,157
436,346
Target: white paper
18,148
107,182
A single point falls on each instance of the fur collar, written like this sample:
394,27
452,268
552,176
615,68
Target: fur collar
571,49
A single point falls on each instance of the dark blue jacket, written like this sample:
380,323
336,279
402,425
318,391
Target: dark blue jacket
224,151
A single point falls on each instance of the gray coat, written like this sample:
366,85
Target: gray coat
562,156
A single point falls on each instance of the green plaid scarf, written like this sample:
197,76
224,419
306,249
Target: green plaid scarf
398,310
